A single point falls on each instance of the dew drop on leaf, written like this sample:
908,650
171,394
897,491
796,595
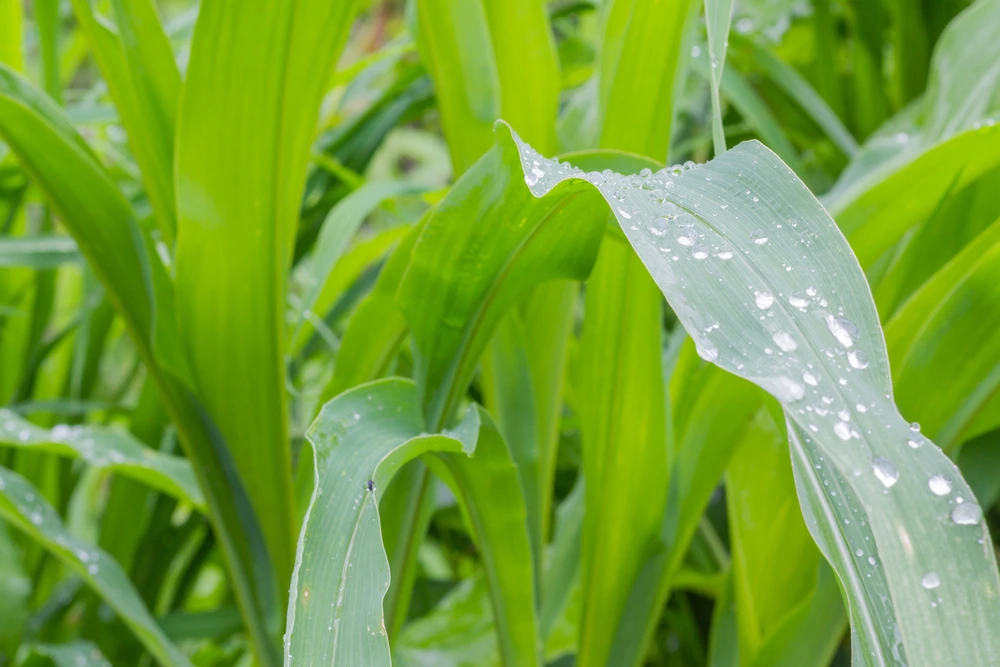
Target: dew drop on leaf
843,432
798,300
785,341
885,471
967,514
759,237
930,581
842,329
764,300
858,359
940,485
810,379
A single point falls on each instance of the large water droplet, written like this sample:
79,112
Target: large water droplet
532,177
686,239
843,431
699,252
798,299
858,359
967,514
885,471
758,236
940,485
706,350
784,388
842,329
658,227
764,300
785,341
930,581
725,253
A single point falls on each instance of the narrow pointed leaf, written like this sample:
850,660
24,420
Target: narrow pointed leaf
38,252
109,448
22,506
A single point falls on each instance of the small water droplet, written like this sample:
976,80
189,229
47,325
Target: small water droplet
699,252
915,427
532,178
843,431
858,359
686,239
785,341
967,514
725,254
764,300
885,471
798,300
930,581
871,560
706,350
860,407
940,485
759,237
810,379
842,329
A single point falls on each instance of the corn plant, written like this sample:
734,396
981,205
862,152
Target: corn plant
499,332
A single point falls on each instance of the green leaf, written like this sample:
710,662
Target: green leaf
360,440
70,654
144,82
933,325
38,252
11,34
15,589
22,505
718,16
643,41
454,42
109,448
808,333
461,278
249,108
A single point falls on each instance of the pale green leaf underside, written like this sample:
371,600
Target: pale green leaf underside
768,287
38,252
22,506
108,448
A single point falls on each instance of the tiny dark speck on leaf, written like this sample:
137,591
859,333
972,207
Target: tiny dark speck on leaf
371,485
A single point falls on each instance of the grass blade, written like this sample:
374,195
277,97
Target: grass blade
718,16
22,506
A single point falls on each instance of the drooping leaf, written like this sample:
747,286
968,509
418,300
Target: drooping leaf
22,506
108,448
808,333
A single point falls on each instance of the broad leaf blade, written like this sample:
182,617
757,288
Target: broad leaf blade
725,242
248,114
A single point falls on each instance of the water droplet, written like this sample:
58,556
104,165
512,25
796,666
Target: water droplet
532,178
658,227
915,441
699,252
842,329
859,553
860,407
785,341
725,254
784,388
764,300
843,432
625,214
915,427
967,514
930,581
858,359
844,415
706,350
885,471
798,299
758,237
810,379
871,560
940,485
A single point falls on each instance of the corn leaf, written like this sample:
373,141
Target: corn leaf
22,505
249,108
810,336
360,440
70,654
108,448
